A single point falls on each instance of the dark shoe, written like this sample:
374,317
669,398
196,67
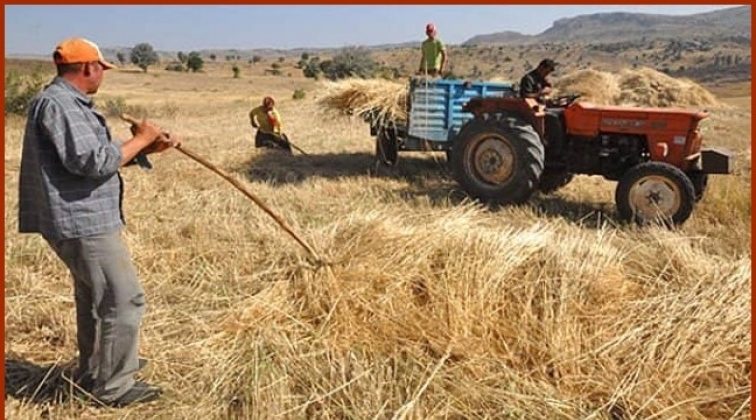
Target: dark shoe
85,382
141,392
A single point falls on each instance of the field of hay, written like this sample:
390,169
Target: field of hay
433,307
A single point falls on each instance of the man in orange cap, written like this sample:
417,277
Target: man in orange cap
266,119
70,192
433,59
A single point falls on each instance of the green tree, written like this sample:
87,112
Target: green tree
311,68
350,62
121,58
143,56
194,62
182,57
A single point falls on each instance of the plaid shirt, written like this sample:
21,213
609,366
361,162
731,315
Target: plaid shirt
69,185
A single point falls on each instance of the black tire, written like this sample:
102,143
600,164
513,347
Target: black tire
386,149
498,161
669,188
700,181
552,180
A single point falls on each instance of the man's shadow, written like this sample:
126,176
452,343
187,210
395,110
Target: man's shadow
39,384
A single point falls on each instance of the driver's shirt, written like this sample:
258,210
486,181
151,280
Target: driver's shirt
532,82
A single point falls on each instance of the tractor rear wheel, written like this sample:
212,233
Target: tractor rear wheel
655,191
498,160
386,149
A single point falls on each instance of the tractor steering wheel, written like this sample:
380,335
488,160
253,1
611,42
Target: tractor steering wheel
565,100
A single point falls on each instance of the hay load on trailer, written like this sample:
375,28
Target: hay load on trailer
421,115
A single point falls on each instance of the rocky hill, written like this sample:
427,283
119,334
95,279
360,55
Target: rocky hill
614,27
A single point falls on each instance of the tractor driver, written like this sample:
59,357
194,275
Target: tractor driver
534,84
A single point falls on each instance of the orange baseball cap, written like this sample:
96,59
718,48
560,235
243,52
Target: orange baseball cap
79,50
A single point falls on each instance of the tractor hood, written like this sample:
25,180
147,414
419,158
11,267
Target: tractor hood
588,119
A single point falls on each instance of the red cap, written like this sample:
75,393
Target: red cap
430,28
79,50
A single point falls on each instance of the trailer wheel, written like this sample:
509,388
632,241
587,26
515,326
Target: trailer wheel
386,149
499,161
655,191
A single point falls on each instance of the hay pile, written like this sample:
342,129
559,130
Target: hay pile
379,98
642,87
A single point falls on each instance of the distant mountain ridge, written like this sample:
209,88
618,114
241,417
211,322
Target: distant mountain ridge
624,26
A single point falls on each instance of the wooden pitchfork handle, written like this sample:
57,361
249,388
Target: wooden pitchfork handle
133,121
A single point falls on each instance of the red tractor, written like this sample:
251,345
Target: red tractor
513,147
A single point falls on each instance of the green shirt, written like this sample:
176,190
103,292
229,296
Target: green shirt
432,53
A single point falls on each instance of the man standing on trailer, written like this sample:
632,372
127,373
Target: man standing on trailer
433,60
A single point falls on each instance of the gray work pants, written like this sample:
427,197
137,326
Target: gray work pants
110,304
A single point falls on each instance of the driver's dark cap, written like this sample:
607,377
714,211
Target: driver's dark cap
548,63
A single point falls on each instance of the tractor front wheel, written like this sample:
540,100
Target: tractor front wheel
498,160
700,180
655,191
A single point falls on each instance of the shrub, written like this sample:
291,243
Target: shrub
20,90
350,62
298,94
236,71
194,62
175,67
115,107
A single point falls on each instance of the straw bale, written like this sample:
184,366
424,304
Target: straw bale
640,87
384,99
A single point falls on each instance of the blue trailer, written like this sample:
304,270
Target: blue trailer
435,116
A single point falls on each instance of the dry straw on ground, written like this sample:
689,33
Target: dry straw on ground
435,308
641,87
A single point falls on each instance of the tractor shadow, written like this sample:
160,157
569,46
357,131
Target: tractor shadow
279,168
580,213
38,384
427,177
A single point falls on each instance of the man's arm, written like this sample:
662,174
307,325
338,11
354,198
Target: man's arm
84,149
443,57
253,118
275,120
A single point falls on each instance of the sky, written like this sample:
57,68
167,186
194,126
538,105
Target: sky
37,29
